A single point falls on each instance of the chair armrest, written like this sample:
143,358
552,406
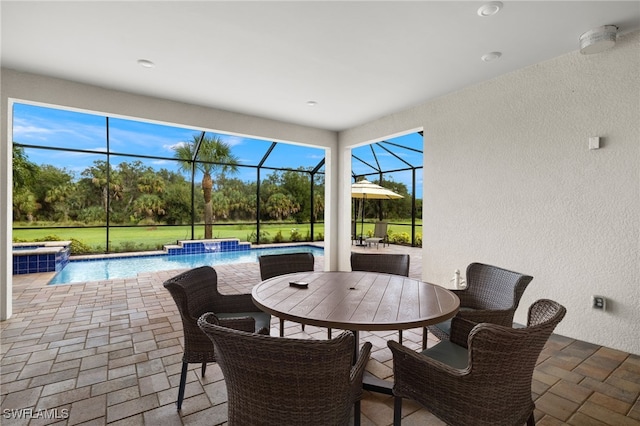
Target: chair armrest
247,324
363,358
357,371
412,370
495,316
235,303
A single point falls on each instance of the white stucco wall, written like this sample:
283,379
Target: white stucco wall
509,180
52,91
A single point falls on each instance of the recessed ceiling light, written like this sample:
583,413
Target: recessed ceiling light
491,56
146,63
312,103
490,8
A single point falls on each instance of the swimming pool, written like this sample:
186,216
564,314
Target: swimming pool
126,267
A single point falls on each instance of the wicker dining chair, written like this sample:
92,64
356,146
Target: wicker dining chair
387,263
196,292
480,379
283,381
492,294
273,265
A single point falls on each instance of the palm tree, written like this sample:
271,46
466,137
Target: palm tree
59,196
213,155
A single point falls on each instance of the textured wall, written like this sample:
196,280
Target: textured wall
509,180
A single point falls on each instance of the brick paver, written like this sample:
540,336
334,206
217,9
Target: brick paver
110,352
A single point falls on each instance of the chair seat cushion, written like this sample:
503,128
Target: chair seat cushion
448,353
263,319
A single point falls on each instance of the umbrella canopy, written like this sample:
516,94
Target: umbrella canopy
371,191
366,190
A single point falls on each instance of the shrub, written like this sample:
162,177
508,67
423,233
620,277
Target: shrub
129,246
295,235
400,238
264,237
278,237
78,247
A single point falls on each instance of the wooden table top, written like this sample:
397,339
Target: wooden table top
356,300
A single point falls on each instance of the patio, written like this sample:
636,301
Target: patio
110,353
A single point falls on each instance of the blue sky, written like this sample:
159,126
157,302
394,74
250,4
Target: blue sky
35,125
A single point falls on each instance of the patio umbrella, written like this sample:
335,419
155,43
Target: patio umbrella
366,190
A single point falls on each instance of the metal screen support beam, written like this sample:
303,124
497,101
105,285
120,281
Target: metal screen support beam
413,208
108,206
312,177
264,158
196,149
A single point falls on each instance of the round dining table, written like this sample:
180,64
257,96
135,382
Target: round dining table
355,301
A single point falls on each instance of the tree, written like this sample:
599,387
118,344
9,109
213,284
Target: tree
280,206
24,171
24,204
59,197
109,190
213,155
149,206
54,189
298,186
177,197
25,174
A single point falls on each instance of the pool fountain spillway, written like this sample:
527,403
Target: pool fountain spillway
207,246
45,256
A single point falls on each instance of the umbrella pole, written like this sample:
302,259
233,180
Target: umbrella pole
362,220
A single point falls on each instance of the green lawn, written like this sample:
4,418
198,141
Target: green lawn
155,237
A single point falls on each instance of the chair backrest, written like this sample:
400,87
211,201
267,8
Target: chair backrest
194,292
491,287
387,263
272,265
380,230
283,381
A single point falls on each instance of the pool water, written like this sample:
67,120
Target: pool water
126,267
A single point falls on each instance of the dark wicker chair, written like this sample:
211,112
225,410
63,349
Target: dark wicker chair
397,264
492,295
387,263
281,381
195,293
273,265
488,383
